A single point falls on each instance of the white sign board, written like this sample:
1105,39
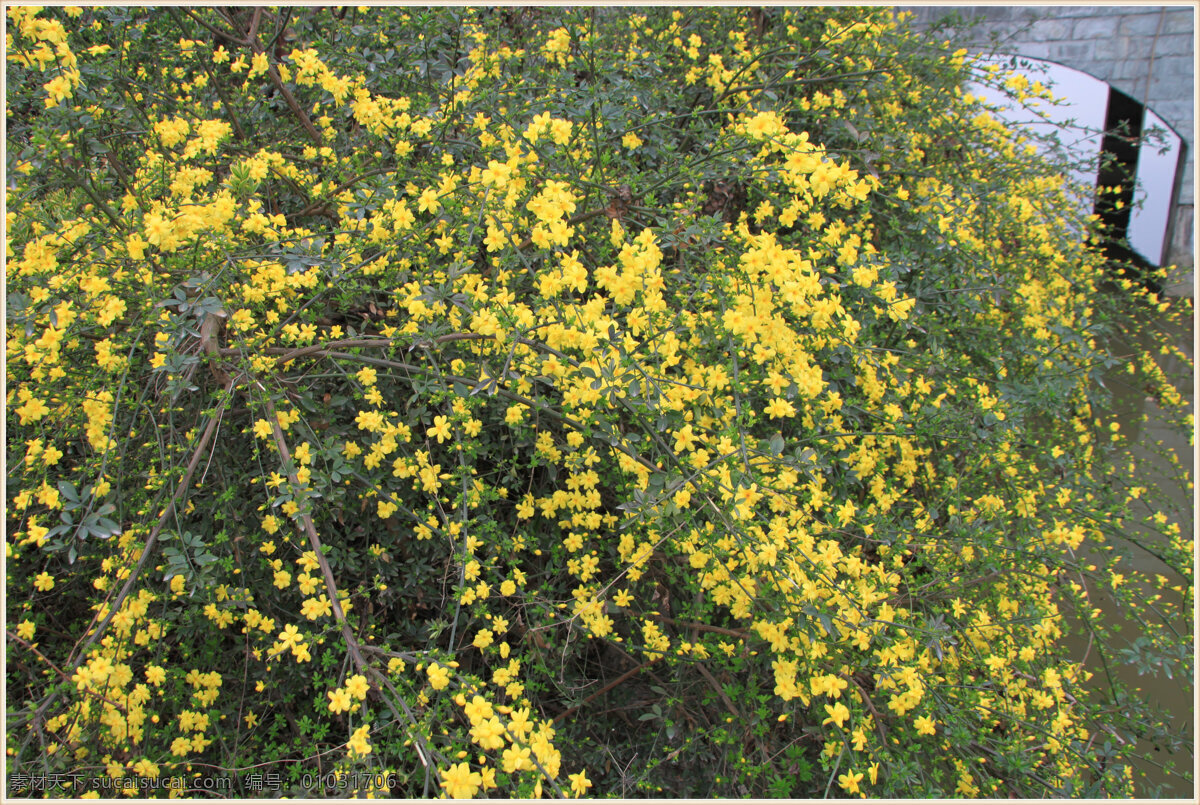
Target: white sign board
1075,127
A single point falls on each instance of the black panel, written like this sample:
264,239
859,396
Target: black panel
1118,166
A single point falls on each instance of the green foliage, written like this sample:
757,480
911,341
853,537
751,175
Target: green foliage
548,401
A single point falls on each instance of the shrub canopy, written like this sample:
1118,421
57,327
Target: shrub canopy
540,401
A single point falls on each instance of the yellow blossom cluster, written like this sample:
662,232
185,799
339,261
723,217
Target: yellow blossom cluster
458,392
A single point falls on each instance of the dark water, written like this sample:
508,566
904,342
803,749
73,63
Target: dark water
1176,696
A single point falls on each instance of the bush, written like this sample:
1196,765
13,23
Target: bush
561,401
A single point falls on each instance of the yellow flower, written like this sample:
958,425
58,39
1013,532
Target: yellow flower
779,408
26,629
925,726
314,608
515,759
439,677
357,686
495,239
440,429
58,89
477,710
290,636
258,64
428,201
579,783
44,582
838,713
684,439
32,411
155,675
460,782
52,454
339,701
358,741
369,420
488,734
849,781
145,768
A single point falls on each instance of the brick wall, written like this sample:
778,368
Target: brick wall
1147,52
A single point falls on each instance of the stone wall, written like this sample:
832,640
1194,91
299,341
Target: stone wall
1147,52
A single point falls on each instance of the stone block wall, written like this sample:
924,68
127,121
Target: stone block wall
1147,52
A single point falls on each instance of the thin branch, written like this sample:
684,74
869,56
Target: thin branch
703,627
61,674
575,221
346,185
152,540
219,34
715,685
226,104
819,79
252,33
862,692
631,672
290,99
78,655
315,541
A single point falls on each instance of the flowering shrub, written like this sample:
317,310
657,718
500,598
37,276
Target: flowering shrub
561,402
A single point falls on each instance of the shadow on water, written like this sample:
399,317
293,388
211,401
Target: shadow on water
1153,441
